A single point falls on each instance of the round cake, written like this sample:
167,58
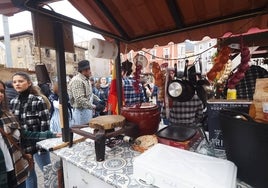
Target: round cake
107,122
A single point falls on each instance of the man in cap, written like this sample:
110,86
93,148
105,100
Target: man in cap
80,93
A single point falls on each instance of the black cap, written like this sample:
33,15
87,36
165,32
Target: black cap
82,65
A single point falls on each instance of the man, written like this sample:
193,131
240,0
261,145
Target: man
80,93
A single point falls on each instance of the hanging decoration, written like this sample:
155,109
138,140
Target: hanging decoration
220,61
224,74
241,69
160,78
136,77
140,62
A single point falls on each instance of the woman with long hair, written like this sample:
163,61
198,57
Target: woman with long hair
12,174
33,114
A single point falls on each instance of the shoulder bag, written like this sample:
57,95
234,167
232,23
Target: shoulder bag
23,163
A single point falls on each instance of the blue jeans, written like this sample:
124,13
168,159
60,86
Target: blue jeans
42,160
82,116
22,185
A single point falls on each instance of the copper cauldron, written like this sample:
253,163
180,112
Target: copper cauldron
146,116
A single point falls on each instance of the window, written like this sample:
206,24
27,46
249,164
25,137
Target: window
47,52
130,56
33,51
153,54
19,52
209,57
166,53
181,51
75,57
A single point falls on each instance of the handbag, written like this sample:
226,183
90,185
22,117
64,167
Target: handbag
27,157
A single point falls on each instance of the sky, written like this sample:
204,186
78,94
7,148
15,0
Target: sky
22,21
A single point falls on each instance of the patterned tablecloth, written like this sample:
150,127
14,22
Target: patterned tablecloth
116,169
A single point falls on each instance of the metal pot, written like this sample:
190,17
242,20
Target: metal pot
181,89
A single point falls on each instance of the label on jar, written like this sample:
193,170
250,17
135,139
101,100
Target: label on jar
231,94
265,109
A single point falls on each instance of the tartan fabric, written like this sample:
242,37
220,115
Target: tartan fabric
33,115
9,124
246,87
80,91
131,96
185,113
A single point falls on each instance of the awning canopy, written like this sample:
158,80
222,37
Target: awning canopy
253,38
141,24
144,24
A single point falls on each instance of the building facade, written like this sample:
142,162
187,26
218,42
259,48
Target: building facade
177,53
24,54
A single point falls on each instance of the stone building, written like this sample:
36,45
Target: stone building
26,55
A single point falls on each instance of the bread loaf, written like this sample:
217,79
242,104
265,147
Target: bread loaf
144,142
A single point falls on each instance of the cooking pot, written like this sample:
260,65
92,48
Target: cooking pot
146,116
181,89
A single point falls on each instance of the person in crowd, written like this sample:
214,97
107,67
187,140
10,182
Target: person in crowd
11,93
95,98
95,86
188,113
81,95
11,173
132,95
45,89
104,92
33,115
16,174
246,87
104,89
55,125
146,91
38,91
155,94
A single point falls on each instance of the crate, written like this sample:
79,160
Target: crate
213,108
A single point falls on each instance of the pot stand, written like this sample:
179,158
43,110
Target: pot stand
100,135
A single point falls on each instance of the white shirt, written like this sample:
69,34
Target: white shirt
8,159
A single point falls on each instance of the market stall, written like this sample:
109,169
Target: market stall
136,25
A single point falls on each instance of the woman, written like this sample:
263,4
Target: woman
10,125
104,89
10,175
33,115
